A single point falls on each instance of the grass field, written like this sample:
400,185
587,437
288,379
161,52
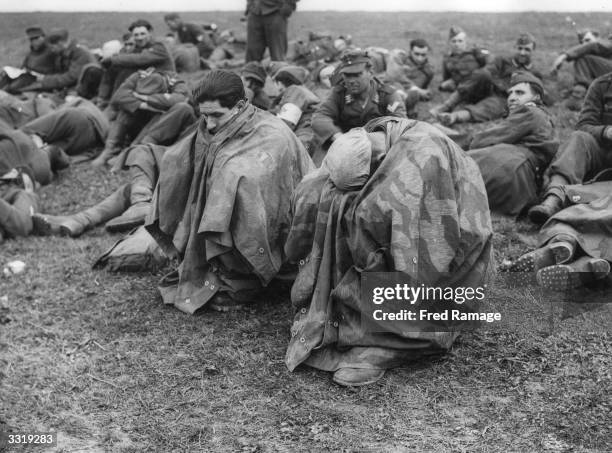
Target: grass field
96,357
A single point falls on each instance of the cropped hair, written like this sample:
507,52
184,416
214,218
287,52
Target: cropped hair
419,42
220,85
140,23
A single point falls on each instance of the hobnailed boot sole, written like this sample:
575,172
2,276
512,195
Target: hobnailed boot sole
563,277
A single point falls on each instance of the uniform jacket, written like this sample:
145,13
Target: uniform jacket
164,89
154,54
596,113
68,66
265,7
501,69
42,61
600,49
461,65
401,69
341,112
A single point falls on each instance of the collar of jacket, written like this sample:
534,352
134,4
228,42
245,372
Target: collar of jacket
520,66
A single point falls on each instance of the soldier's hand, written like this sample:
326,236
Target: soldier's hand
448,85
557,63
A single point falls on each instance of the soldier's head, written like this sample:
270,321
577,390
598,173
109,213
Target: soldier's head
287,76
419,48
219,95
128,42
141,32
525,45
524,88
37,38
457,39
253,76
355,69
173,21
58,39
587,36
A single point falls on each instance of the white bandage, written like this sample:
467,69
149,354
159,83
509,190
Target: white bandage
290,113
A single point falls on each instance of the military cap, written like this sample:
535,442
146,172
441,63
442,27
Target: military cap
527,77
255,71
354,61
524,39
34,32
454,31
57,34
297,74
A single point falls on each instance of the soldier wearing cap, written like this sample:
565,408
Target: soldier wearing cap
40,60
254,78
483,96
592,58
357,99
513,154
585,154
72,62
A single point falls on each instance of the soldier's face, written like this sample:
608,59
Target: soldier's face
523,53
37,43
215,115
357,82
589,37
141,36
520,94
458,43
419,54
173,24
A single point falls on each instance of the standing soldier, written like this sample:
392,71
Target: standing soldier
267,27
357,99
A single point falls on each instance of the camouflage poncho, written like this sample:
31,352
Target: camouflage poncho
423,212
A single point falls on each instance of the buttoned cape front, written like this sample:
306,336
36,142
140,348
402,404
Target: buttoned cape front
423,212
230,190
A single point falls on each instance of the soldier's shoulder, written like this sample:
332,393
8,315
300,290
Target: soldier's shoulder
606,78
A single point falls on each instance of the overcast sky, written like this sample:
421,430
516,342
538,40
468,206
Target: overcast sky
304,5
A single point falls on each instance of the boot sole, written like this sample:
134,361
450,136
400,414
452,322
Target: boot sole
538,216
563,277
369,381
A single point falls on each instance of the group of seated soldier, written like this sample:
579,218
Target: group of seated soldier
310,169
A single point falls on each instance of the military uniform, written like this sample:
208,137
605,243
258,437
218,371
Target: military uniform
587,151
342,111
296,107
76,127
591,60
15,112
267,27
69,65
195,34
513,155
458,67
485,92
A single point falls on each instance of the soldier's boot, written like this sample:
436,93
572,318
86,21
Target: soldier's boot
141,193
460,116
76,224
447,105
562,277
58,159
524,269
356,377
540,213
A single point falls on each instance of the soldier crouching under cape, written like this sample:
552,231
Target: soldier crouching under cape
397,196
222,201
